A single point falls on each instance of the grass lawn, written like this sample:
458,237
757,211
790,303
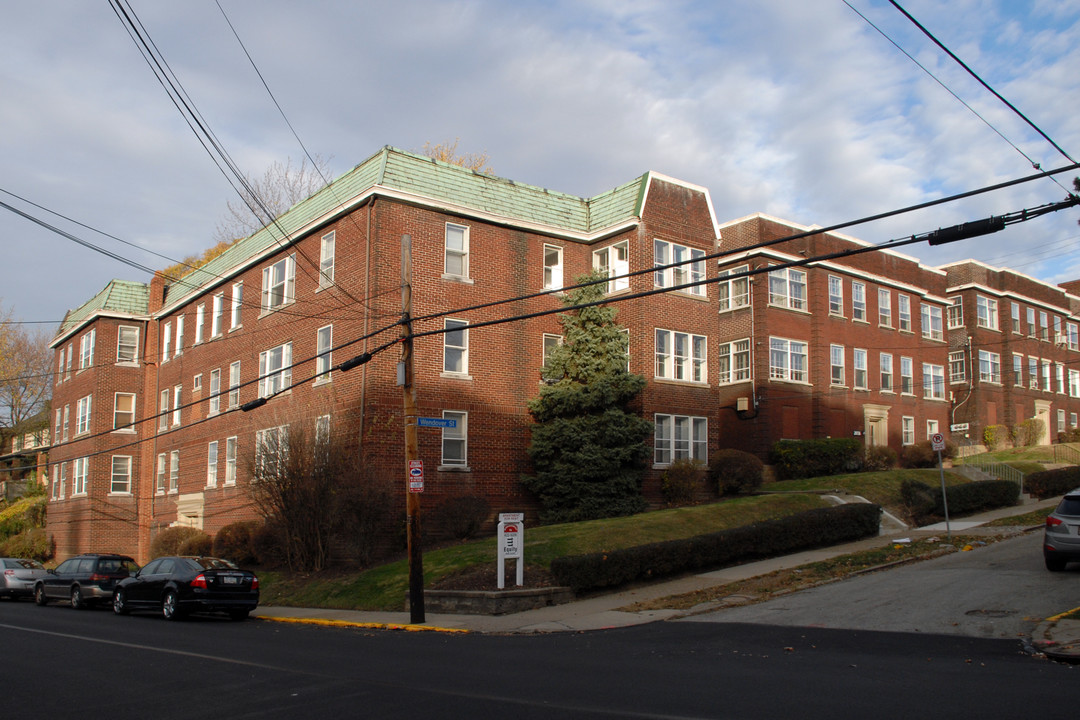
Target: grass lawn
882,488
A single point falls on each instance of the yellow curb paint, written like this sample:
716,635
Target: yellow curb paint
1057,617
368,626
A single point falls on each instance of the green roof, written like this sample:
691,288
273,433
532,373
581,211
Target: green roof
397,173
119,296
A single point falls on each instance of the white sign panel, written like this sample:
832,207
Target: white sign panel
937,441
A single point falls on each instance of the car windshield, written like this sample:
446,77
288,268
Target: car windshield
209,563
1069,505
31,564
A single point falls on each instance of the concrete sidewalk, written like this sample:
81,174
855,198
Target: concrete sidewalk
604,611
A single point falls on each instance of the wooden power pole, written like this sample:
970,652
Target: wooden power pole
412,446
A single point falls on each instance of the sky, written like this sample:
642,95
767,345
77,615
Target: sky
800,109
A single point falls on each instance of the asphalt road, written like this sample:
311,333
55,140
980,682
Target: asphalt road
1001,590
57,662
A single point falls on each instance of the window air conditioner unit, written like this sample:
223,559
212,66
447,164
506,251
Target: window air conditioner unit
1034,384
1059,339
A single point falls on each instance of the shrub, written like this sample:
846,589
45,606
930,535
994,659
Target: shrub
681,481
200,544
462,517
811,458
233,542
924,501
995,436
33,544
734,472
268,542
1069,436
769,538
1050,483
1028,432
879,457
170,540
923,455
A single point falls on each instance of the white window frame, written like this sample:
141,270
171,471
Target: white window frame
886,368
230,460
1018,370
933,381
680,437
1044,326
690,266
932,327
550,342
176,405
63,480
884,307
836,295
78,480
734,360
163,409
200,323
955,309
217,317
86,350
989,367
1074,383
1047,376
1015,317
837,371
456,347
179,336
166,341
861,368
324,342
275,370
457,439
279,284
1072,335
932,427
159,482
174,471
903,312
957,366
1059,370
858,301
237,304
734,293
327,250
614,261
787,288
1033,329
118,414
234,385
987,310
681,356
211,463
907,376
553,267
456,251
1033,373
907,430
123,486
82,415
794,355
215,392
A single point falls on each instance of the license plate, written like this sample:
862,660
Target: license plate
230,580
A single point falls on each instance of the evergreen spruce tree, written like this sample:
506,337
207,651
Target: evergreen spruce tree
588,451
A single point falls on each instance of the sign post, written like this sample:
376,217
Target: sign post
937,442
511,545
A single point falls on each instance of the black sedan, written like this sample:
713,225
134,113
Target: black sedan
176,586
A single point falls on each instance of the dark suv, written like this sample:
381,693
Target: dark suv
1061,539
84,579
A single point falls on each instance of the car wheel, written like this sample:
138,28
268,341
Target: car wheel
170,607
238,614
119,603
77,601
39,595
1054,564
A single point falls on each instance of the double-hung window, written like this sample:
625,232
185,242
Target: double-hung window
689,267
234,385
1018,370
457,251
200,323
787,288
1072,336
933,381
279,283
907,430
1033,373
1032,328
121,474
230,461
987,309
179,336
553,267
211,463
907,376
957,367
680,356
884,307
82,415
326,259
217,320
956,312
734,360
680,437
836,295
836,365
215,392
931,322
1016,318
159,485
734,293
324,339
858,356
886,372
163,410
82,470
166,341
271,451
1048,385
787,360
1074,383
989,367
174,471
455,440
86,350
1044,326
903,312
456,347
176,405
124,411
237,303
275,370
858,301
614,261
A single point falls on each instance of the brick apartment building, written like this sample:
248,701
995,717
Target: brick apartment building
149,429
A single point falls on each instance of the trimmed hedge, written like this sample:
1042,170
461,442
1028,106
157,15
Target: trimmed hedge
1050,483
793,459
769,538
734,472
924,501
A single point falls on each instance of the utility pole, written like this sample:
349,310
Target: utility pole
412,446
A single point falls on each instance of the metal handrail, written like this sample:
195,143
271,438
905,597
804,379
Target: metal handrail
999,470
1066,454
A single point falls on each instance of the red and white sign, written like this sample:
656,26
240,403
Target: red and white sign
937,441
416,476
511,540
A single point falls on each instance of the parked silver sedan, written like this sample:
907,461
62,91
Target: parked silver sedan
18,575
